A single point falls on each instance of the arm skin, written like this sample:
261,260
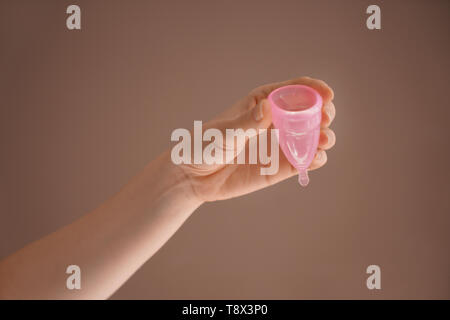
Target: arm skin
110,243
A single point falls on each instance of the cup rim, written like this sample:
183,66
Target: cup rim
317,105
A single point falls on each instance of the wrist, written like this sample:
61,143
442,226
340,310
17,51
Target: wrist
162,184
174,182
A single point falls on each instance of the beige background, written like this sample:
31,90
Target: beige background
83,111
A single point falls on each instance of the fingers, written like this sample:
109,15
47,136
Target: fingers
319,160
328,114
327,139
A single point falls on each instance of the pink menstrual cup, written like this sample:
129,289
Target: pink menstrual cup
297,113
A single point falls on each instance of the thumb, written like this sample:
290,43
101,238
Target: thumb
246,126
258,117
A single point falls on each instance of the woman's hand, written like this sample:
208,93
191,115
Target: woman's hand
223,181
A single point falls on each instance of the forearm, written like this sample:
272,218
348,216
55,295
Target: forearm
108,244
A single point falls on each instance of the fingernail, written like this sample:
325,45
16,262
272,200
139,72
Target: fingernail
331,138
319,155
329,111
258,112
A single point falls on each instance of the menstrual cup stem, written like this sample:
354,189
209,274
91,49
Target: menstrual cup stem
303,178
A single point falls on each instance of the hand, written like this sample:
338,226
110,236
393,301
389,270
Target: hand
140,218
223,181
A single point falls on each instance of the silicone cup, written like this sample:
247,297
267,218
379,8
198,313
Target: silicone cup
297,113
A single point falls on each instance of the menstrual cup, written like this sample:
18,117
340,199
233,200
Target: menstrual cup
297,113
